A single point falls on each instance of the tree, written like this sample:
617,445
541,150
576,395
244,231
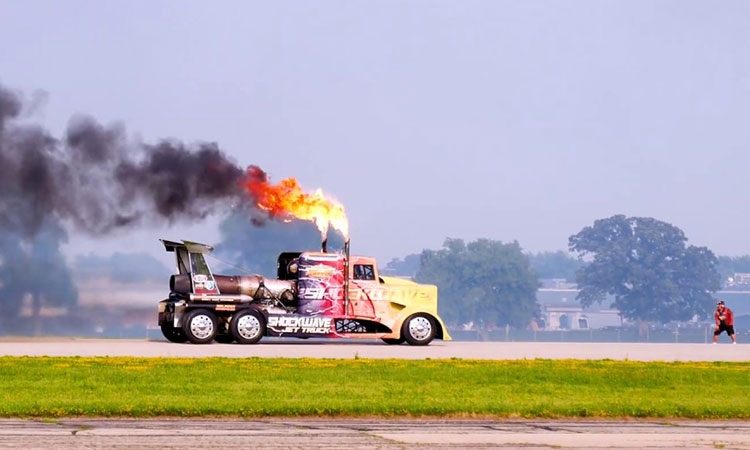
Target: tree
404,267
646,266
557,264
485,282
34,266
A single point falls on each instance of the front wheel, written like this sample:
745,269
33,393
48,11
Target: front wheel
418,329
248,326
200,326
173,334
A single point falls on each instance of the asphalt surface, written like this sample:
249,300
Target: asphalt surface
368,434
295,348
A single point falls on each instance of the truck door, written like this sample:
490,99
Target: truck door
320,284
363,287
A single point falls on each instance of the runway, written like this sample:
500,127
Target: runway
369,434
294,348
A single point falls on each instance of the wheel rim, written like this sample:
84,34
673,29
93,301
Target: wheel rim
248,326
201,326
420,328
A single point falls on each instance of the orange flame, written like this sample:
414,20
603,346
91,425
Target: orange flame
286,199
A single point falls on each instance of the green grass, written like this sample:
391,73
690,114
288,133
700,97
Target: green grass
54,387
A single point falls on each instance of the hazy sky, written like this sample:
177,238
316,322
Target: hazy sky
503,119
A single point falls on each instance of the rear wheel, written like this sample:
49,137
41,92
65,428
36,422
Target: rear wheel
248,326
173,334
398,341
419,329
200,326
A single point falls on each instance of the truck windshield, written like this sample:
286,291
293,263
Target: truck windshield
364,272
199,265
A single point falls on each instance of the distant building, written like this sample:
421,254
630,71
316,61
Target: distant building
739,281
737,300
556,302
565,317
557,283
562,311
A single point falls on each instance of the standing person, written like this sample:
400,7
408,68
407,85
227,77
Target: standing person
724,322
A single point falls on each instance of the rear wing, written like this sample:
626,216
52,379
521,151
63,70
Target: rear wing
190,260
192,247
189,256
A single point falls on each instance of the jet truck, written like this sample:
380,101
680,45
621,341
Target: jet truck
314,294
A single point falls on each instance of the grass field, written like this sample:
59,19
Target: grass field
55,387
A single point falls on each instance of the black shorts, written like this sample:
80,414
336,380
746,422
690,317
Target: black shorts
724,327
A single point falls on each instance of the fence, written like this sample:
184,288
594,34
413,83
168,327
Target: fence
676,335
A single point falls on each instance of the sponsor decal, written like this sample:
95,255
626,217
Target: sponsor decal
298,324
374,294
318,293
203,282
226,307
320,271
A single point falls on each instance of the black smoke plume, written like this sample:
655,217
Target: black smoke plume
94,180
97,180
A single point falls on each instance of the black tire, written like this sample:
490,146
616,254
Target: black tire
173,334
419,329
204,329
224,338
248,326
398,341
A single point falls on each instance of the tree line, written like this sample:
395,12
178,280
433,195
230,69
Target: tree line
644,264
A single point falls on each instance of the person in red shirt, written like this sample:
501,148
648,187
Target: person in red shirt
724,322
